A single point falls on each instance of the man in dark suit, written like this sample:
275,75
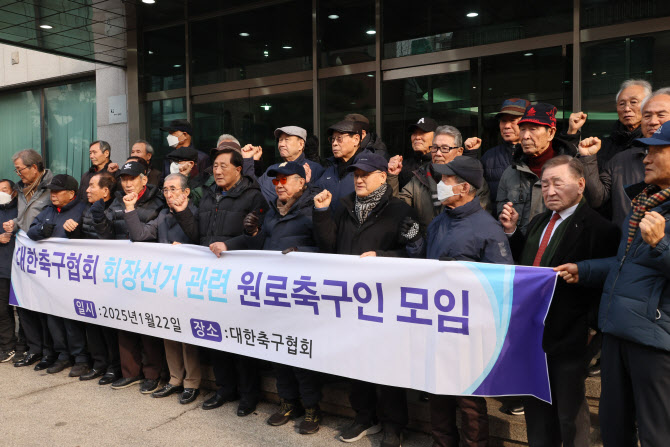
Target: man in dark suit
569,231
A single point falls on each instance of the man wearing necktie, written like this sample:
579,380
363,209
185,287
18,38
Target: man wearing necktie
569,231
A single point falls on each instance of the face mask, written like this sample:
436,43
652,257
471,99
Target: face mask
174,167
172,140
444,191
5,198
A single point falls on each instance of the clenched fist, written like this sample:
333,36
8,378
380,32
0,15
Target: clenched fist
589,146
472,144
8,226
322,199
70,225
129,200
576,122
395,165
509,218
652,228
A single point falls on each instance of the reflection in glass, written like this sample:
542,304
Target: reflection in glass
444,25
345,32
447,98
596,13
262,42
71,123
164,59
20,127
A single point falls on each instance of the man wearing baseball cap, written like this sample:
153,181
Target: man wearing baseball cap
345,139
141,355
291,147
498,158
634,310
520,182
368,223
69,336
421,136
462,232
180,135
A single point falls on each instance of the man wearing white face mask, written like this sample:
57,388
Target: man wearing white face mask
462,232
182,161
8,211
180,135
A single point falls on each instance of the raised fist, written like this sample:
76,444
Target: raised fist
322,199
576,122
589,146
509,218
129,200
472,144
395,165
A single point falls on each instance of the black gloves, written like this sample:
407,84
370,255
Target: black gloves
48,230
251,223
289,250
409,231
98,211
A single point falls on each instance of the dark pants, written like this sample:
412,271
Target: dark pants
69,338
131,348
389,408
36,331
635,381
474,421
7,322
567,420
295,383
58,333
236,373
103,344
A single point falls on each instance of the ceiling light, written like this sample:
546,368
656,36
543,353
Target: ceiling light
370,75
244,34
287,47
604,72
528,54
371,32
151,52
46,26
149,2
177,65
333,17
472,14
265,106
266,53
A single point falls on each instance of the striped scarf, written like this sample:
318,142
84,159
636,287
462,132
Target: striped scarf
651,197
365,204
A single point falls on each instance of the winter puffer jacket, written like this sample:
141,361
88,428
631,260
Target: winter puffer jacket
148,206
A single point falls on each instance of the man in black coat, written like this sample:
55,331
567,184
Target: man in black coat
141,355
220,217
69,336
100,155
568,231
103,341
368,223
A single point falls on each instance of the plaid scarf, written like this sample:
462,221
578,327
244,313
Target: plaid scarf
365,204
651,197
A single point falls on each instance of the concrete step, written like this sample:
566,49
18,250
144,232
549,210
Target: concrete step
505,430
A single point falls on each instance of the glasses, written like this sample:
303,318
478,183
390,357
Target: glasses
443,149
171,190
339,138
278,180
19,171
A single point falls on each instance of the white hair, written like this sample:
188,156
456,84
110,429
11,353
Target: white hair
227,137
660,91
631,82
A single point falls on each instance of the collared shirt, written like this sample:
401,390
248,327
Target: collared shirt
566,213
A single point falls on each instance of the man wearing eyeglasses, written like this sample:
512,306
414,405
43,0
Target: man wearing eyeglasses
368,223
421,191
520,183
291,147
33,197
345,141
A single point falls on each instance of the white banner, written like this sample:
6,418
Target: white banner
441,327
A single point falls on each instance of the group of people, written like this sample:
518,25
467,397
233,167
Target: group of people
592,209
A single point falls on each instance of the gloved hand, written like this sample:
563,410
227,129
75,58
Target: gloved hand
48,230
289,250
98,211
409,230
251,223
